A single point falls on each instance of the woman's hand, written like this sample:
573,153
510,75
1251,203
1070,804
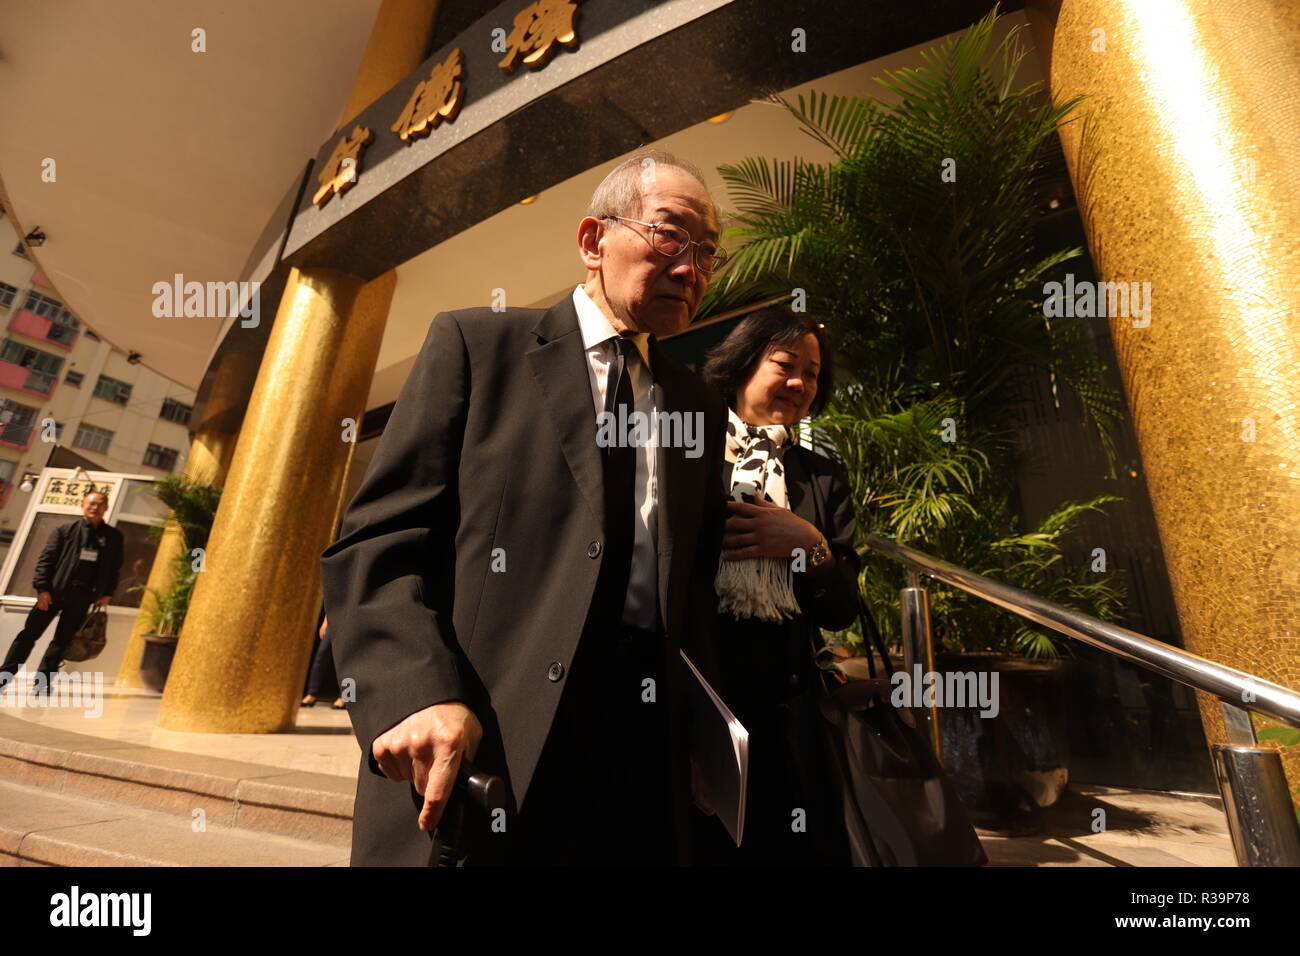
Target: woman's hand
763,529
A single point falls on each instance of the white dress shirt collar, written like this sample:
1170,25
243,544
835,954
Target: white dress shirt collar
596,328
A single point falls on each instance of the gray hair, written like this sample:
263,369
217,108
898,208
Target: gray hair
620,193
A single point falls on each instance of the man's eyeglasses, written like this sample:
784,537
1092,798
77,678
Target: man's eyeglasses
669,240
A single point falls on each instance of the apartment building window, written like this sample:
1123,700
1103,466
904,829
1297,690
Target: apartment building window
157,456
44,367
48,308
7,293
74,378
7,536
112,390
92,438
174,411
16,421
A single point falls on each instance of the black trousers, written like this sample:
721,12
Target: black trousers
322,681
70,606
602,792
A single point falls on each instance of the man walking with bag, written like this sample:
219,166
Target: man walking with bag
79,567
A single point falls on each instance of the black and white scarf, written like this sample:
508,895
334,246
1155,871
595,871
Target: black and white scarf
760,587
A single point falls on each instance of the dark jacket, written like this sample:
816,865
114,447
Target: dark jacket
768,676
491,454
63,551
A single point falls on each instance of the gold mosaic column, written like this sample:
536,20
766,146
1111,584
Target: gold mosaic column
243,651
1186,162
161,577
209,460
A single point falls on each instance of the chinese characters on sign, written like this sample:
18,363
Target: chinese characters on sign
70,492
436,99
539,30
340,172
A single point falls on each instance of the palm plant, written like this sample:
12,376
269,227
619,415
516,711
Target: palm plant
916,247
167,613
944,497
193,506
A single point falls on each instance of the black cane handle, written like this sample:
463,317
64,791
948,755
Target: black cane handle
485,789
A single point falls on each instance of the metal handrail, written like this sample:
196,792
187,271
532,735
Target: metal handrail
1251,779
1227,683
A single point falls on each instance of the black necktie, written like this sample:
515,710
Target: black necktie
620,478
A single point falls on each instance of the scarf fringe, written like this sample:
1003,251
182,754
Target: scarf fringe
761,588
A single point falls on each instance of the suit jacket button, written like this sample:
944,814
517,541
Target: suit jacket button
593,549
555,672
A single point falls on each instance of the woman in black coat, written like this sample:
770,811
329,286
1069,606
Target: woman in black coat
788,569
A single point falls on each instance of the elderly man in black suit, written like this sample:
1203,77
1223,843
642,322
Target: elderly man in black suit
534,540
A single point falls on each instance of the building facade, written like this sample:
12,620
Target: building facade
64,387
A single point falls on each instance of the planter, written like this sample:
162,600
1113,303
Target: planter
156,661
1009,766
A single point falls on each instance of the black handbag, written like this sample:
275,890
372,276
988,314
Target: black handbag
90,638
900,807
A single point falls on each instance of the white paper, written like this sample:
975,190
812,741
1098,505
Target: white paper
720,746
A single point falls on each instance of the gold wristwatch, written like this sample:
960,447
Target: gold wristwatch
819,555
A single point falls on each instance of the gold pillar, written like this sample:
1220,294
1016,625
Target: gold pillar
211,450
395,48
242,653
243,650
1186,162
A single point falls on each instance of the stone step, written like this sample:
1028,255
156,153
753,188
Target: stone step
40,828
225,794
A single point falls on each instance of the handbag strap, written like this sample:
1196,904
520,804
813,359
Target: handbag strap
870,632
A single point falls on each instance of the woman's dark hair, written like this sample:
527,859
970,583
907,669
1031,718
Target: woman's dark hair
731,363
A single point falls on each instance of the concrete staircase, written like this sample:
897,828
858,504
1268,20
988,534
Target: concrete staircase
69,799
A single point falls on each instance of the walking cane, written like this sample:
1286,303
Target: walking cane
486,790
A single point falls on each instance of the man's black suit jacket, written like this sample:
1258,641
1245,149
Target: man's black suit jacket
490,461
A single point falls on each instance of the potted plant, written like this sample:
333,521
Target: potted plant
192,506
921,247
164,617
943,498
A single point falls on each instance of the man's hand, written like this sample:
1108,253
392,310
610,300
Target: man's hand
426,748
103,601
43,600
